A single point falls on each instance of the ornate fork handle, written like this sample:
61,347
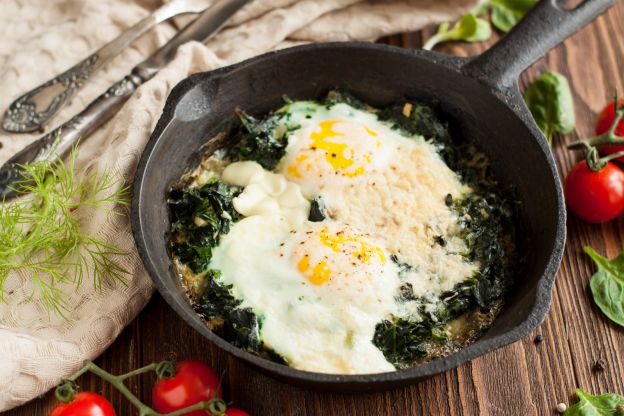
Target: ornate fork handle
35,108
59,141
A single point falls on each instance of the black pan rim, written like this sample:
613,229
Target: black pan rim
543,288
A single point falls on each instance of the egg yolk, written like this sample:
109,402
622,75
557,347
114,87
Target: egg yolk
342,144
341,251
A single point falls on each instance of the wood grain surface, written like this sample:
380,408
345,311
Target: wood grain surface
525,378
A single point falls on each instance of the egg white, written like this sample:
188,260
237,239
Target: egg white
318,324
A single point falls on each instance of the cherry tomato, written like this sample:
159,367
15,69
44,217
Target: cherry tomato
85,404
194,382
595,196
232,411
605,121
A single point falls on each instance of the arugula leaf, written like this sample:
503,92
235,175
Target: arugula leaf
469,28
607,285
607,404
550,101
507,13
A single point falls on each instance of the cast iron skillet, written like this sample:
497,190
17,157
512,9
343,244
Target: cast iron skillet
479,95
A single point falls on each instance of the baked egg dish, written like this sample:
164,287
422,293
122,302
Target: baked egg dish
338,238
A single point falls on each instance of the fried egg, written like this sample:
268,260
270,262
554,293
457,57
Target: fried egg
320,288
334,148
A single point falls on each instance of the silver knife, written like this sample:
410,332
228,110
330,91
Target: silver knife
59,141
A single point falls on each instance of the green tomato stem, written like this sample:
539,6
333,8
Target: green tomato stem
142,370
607,138
66,391
594,161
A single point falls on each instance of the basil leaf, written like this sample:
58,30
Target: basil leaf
506,13
469,28
550,101
607,404
607,285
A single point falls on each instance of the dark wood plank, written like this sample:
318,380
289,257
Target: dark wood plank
525,378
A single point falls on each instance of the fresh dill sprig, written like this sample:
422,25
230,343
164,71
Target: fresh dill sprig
41,233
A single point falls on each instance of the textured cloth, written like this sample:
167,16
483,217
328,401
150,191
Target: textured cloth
41,38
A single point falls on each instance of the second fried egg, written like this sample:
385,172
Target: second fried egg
319,288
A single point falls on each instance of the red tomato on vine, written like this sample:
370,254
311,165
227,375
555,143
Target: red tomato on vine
595,196
604,123
85,404
193,382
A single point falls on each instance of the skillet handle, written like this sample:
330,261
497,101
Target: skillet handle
544,27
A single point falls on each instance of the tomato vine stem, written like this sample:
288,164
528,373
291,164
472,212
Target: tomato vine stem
594,161
66,391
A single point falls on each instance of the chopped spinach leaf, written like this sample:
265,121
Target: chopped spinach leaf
238,326
318,211
402,341
263,141
199,216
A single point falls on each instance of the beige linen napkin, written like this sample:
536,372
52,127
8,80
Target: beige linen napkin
40,38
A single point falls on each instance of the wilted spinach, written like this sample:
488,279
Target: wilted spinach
607,404
318,211
607,285
199,216
259,140
549,99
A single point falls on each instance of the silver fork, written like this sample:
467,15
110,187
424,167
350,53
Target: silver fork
35,108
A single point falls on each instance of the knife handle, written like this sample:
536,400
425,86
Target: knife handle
36,107
58,142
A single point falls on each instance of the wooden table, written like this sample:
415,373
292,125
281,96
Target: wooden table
525,378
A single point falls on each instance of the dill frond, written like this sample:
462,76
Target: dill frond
41,234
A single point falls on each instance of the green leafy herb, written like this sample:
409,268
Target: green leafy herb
41,233
550,101
607,404
607,285
262,141
239,326
318,211
402,341
507,13
469,28
199,216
